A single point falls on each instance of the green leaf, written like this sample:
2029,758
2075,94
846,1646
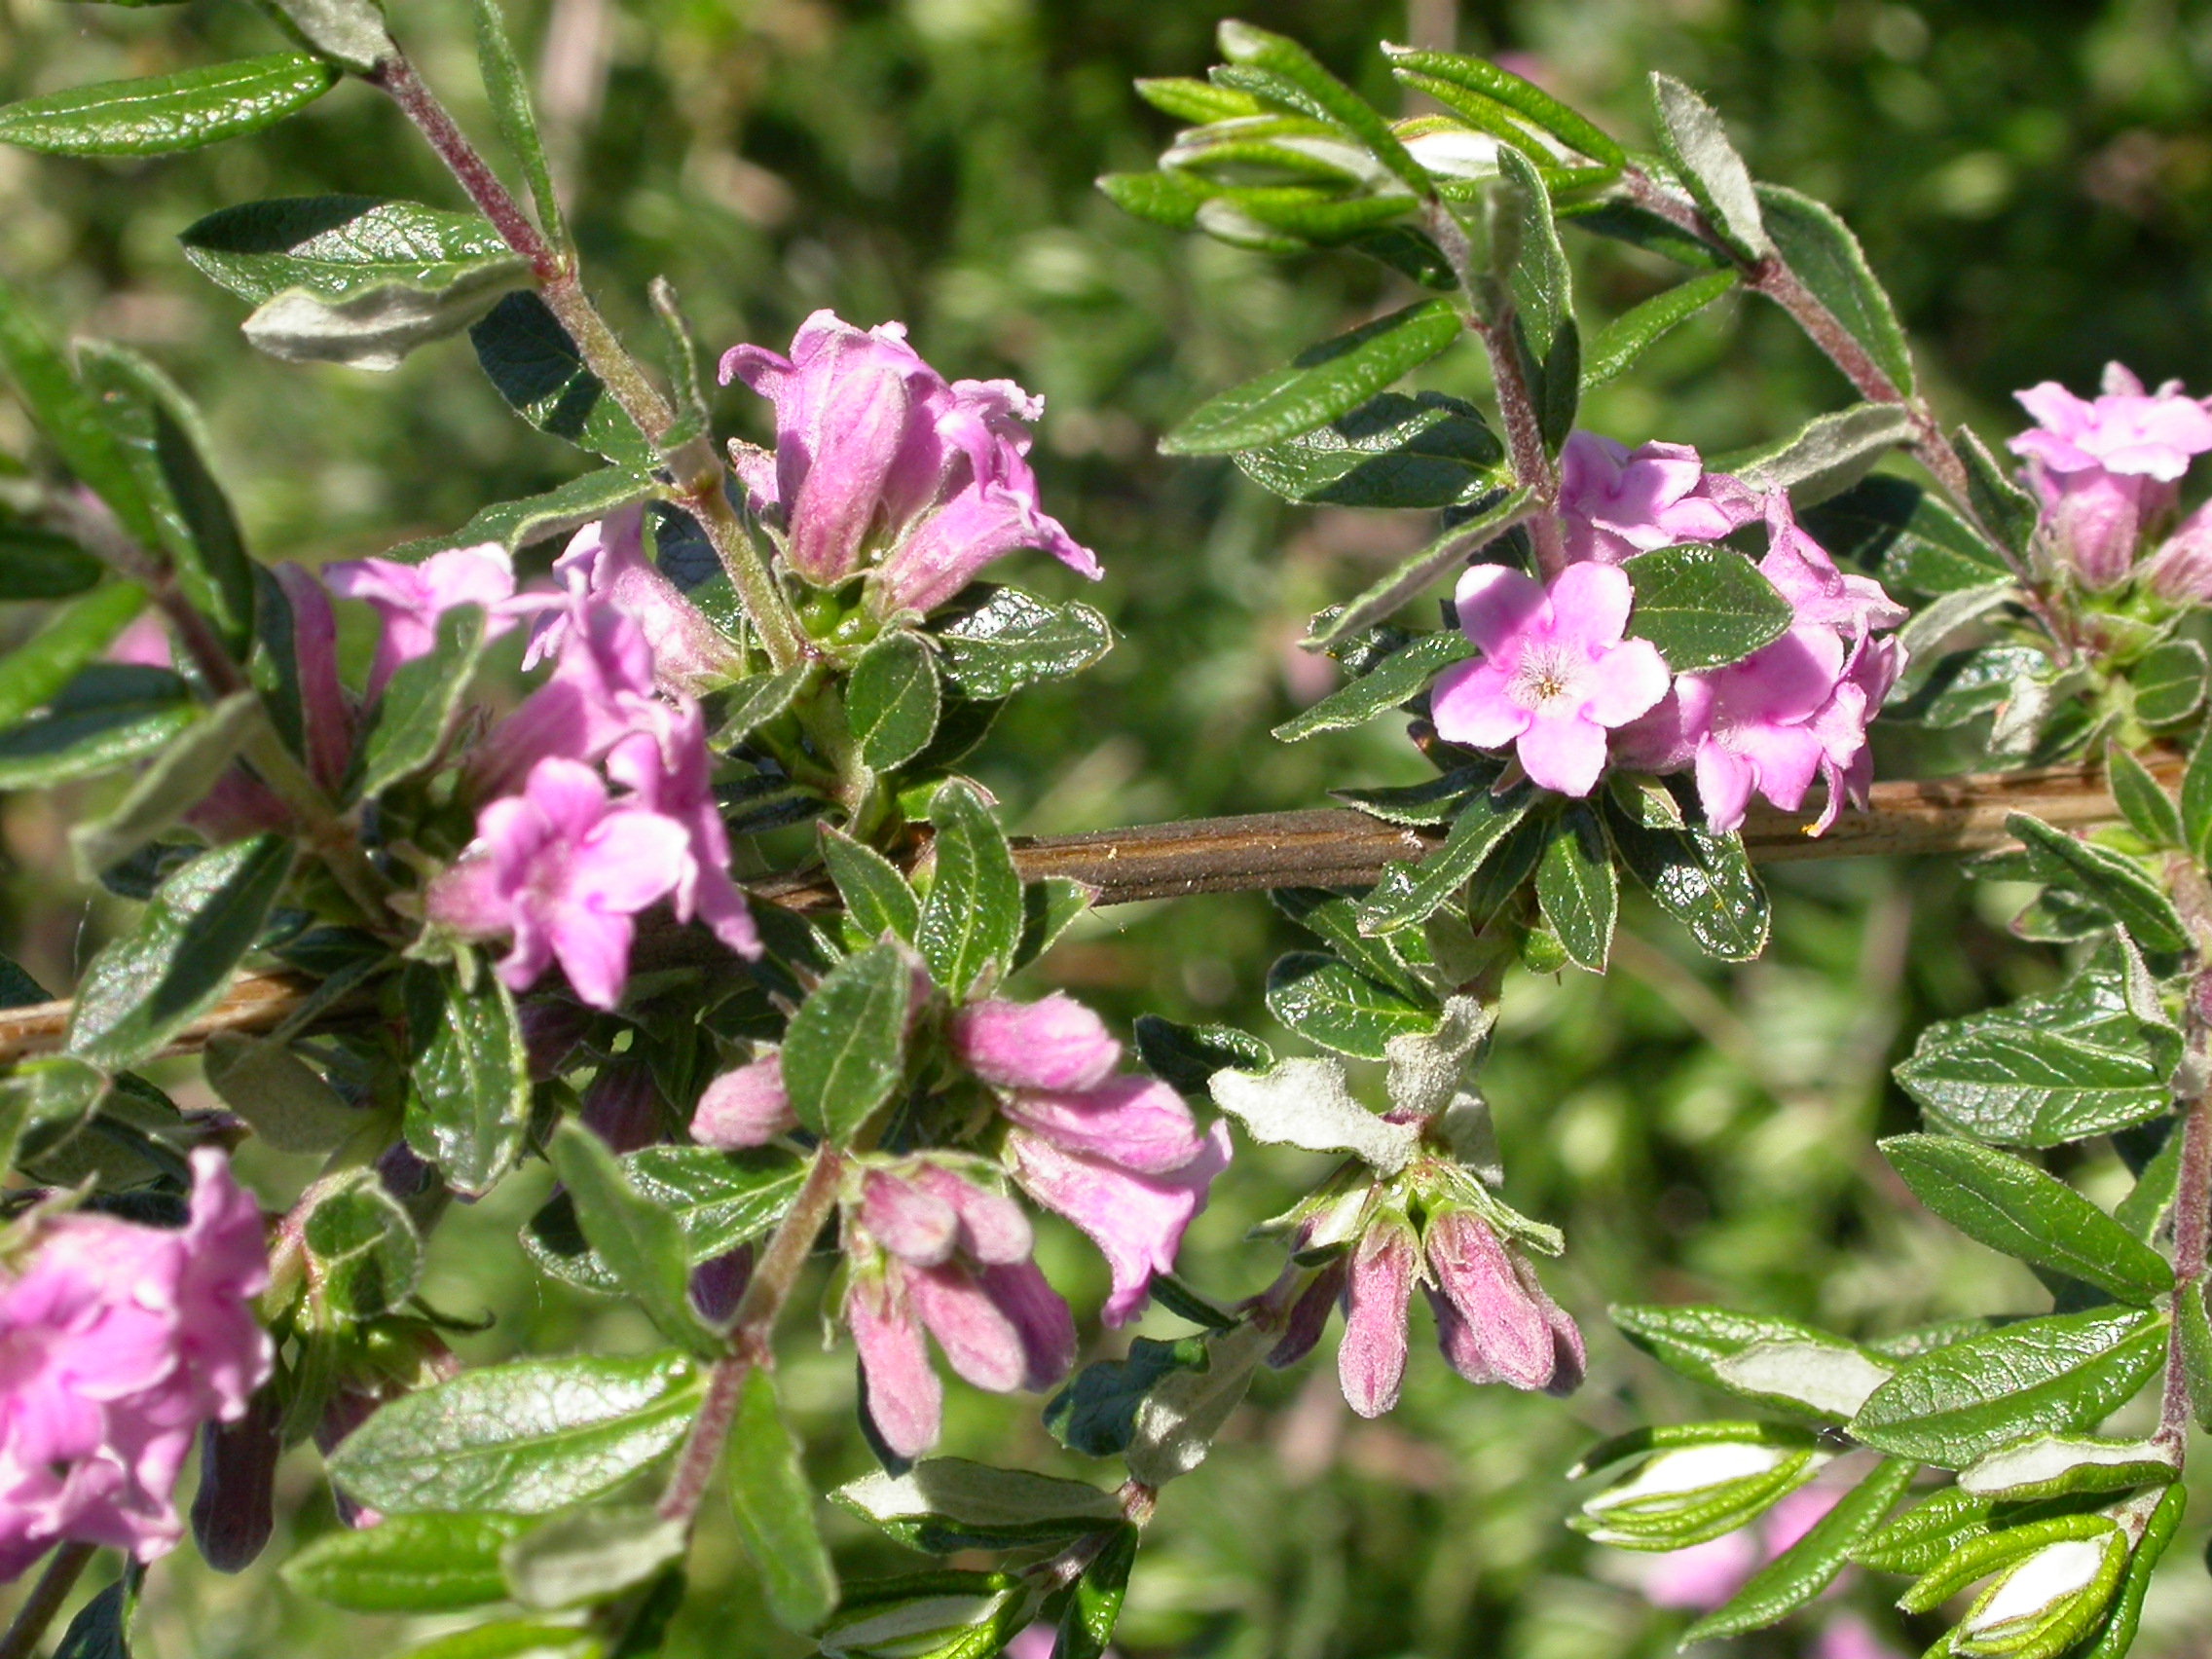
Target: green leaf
1820,248
1544,331
1437,802
559,512
364,1256
1169,199
971,920
2010,1206
79,431
44,1102
1827,455
2061,1466
467,1076
1910,534
1703,881
505,85
719,1199
1330,380
180,776
1698,149
751,703
945,1504
509,1638
640,1243
2061,1373
845,1051
1704,606
1185,1057
537,369
101,1627
1981,1554
1278,55
2109,879
1524,98
1178,1417
1810,1565
145,987
1012,640
1328,1003
774,1508
927,1615
877,899
408,728
1095,1415
2118,1632
1095,1605
529,1437
277,1094
165,114
1481,824
1454,547
37,563
408,1564
2007,511
892,700
1699,1342
1195,101
352,279
167,445
1389,684
2169,682
590,1555
2196,798
1926,1536
1281,218
1335,918
37,672
1393,451
349,32
1637,329
2150,811
1049,908
2196,1350
1577,888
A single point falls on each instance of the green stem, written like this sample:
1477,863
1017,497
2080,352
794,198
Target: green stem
62,1571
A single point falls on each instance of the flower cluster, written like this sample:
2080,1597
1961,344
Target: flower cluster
1558,682
560,865
881,466
2107,471
936,1249
119,1341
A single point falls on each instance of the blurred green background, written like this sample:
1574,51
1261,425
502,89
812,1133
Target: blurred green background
2033,180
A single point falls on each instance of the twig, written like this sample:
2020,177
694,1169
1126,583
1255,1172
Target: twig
752,1334
2192,1199
62,1571
1286,849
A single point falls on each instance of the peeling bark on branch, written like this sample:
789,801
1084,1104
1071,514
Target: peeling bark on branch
1336,848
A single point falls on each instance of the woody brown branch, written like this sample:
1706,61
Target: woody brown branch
1308,849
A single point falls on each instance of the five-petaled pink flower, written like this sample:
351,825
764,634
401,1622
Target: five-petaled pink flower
411,598
1117,1155
879,460
1555,674
117,1343
933,1251
1615,502
690,655
563,869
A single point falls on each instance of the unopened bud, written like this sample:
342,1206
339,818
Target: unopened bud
234,1511
2181,570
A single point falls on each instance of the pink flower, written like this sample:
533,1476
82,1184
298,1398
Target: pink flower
2124,430
117,1343
411,598
689,653
1371,1359
1615,502
1555,674
2093,519
1495,1322
1121,1156
327,721
2181,570
667,764
144,644
875,454
600,692
563,872
932,1251
745,1108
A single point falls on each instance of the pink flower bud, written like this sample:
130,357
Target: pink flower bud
2181,570
1055,1044
745,1108
899,1391
326,721
690,655
1371,1360
622,1107
1476,1273
1309,1315
234,1509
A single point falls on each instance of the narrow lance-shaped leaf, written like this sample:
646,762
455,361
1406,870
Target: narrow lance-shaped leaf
1386,685
110,715
774,1507
1698,147
509,92
2150,811
1523,98
1827,455
412,718
1261,48
1810,1565
1577,888
408,1564
1329,380
35,672
2107,878
640,1243
846,1047
71,422
1475,834
1462,543
877,899
165,114
1621,341
2010,1206
180,776
1819,248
